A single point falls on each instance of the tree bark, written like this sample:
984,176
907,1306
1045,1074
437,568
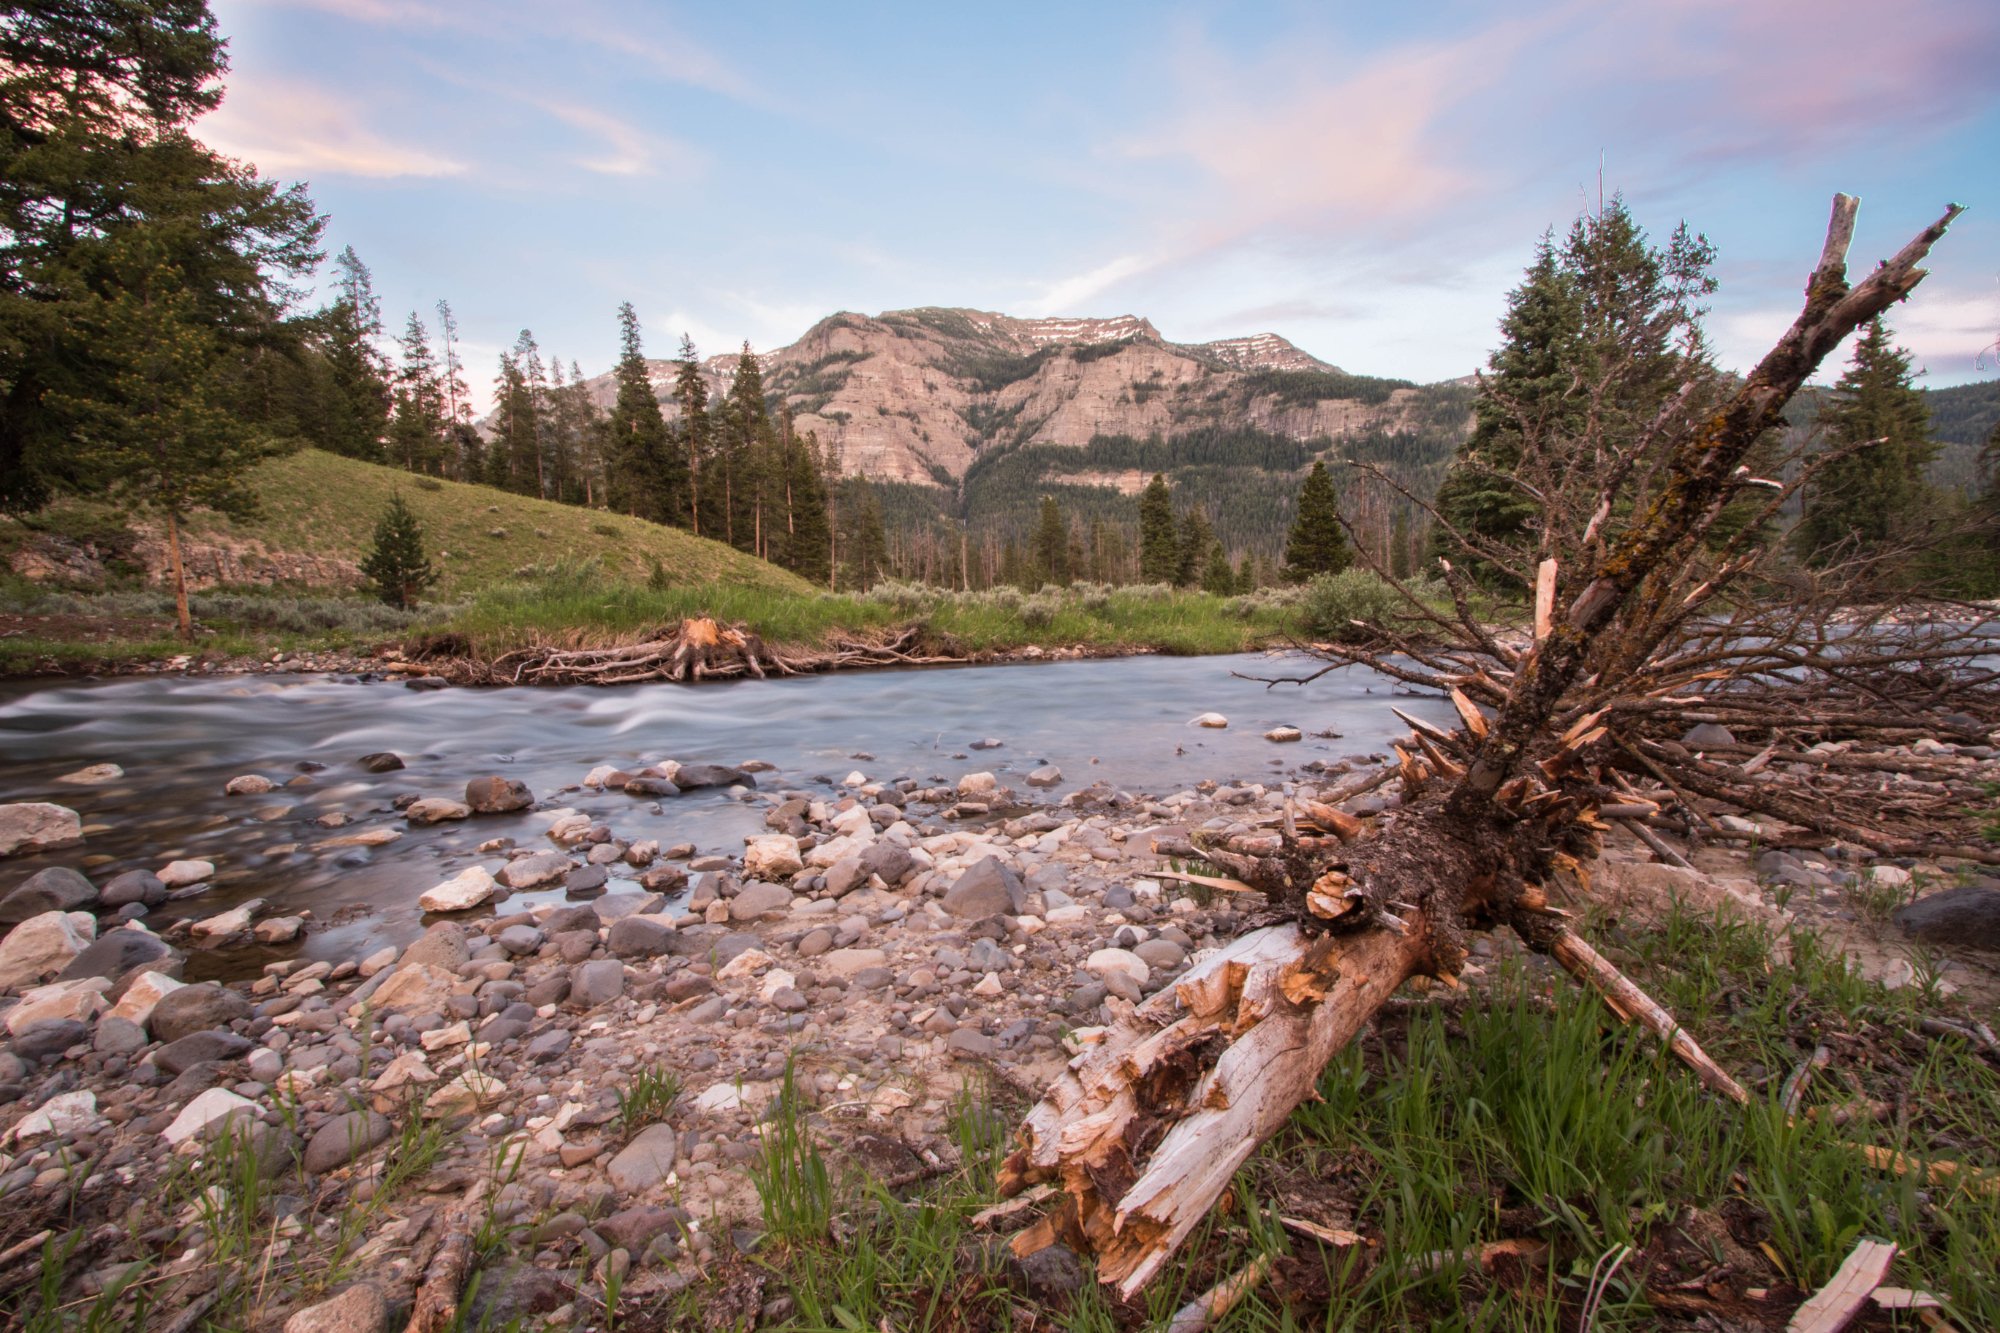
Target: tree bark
180,577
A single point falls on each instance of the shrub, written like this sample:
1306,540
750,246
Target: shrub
1041,610
1333,602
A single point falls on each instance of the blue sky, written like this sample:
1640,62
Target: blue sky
1368,185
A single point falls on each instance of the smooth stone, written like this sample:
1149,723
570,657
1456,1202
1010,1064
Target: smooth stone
639,936
116,952
37,826
206,1113
182,874
646,1161
248,784
774,856
1707,734
497,795
533,870
987,888
359,1309
134,886
469,888
92,776
344,1138
1048,775
595,983
186,1010
435,810
1107,963
690,777
42,946
1216,720
62,1116
382,761
1968,916
977,786
443,945
760,900
217,1045
53,889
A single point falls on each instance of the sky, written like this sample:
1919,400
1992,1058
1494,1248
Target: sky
1369,185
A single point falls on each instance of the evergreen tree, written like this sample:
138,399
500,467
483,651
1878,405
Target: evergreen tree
808,552
1159,554
358,399
1402,561
1316,544
1051,544
1874,498
866,547
419,434
102,185
646,470
691,393
1217,576
396,565
1191,550
750,477
466,450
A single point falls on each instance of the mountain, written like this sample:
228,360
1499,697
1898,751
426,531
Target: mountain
973,414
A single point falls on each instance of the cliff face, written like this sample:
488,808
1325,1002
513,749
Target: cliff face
919,395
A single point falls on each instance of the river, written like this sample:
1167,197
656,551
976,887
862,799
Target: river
1125,721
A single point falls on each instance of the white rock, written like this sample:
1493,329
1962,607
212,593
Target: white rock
42,946
60,1116
410,986
81,1000
851,821
33,826
1284,734
569,830
1105,962
744,964
855,779
211,1107
436,810
180,874
228,923
845,963
1890,877
468,1092
598,776
279,929
437,1039
989,986
775,980
774,856
1898,973
467,889
839,849
146,991
378,960
977,786
1210,720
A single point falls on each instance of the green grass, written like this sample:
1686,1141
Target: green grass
646,1098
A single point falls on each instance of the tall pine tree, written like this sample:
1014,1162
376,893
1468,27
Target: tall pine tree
1052,544
1317,544
1159,552
646,474
1872,499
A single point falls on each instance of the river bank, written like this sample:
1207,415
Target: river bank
645,1083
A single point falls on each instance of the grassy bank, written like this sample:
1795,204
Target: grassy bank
1517,1113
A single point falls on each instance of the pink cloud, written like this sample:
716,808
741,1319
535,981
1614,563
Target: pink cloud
299,130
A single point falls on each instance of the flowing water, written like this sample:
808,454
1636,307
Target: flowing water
1124,721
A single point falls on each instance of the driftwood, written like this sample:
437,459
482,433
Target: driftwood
697,648
1145,1130
436,1305
1834,1306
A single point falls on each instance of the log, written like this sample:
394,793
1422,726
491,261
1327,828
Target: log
1144,1131
1834,1306
1635,1006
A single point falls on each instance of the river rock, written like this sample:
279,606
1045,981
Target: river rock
215,1045
1963,916
278,929
1048,775
467,889
442,946
95,775
1215,720
359,1309
977,786
497,795
186,1010
987,888
775,856
248,784
36,826
465,1094
1163,955
207,1114
382,761
435,810
539,868
1707,734
63,1116
42,946
116,952
59,1001
181,874
344,1138
844,876
413,988
848,963
689,777
646,1160
1283,735
639,936
889,862
760,900
595,983
224,924
142,996
1106,963
55,889
134,886
51,1037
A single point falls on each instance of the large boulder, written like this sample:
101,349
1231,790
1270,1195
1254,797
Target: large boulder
987,888
467,889
36,826
774,856
42,946
1968,916
191,1009
497,795
444,945
54,889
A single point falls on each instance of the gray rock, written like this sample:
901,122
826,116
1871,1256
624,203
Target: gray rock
987,888
518,940
191,1009
595,983
1161,955
1048,775
969,1044
655,787
116,952
639,937
441,946
1708,734
613,907
586,879
1965,916
845,875
550,1045
118,1036
383,761
344,1138
758,900
497,795
690,777
532,871
53,1036
359,1309
54,889
134,886
891,863
646,1160
216,1045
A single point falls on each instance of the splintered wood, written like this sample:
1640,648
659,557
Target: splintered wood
1144,1131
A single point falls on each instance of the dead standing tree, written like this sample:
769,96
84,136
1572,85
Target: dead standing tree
1144,1131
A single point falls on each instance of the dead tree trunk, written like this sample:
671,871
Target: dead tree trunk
1144,1131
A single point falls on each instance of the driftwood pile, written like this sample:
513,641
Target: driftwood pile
699,648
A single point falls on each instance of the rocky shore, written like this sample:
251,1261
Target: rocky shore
593,1084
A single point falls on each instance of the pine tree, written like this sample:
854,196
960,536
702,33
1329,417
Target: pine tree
691,392
866,548
1159,554
1051,544
1191,549
808,553
419,434
466,451
358,399
646,470
1874,498
1316,544
1217,576
396,564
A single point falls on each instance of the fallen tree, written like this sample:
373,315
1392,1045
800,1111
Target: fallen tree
1646,617
694,649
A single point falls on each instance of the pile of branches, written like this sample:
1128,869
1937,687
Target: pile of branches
1654,607
700,648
